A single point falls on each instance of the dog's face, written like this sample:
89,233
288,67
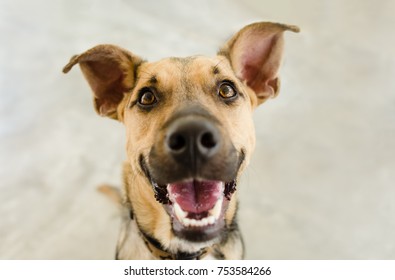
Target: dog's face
188,125
191,121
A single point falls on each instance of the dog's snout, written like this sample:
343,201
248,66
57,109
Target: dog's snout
193,146
192,139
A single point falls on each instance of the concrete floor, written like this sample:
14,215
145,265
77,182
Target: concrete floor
321,183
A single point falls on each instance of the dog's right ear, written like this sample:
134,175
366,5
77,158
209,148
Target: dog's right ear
110,72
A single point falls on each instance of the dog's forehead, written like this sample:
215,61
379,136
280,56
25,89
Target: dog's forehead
179,68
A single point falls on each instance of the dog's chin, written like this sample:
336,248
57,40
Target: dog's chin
196,207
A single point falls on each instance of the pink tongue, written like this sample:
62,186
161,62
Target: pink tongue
196,196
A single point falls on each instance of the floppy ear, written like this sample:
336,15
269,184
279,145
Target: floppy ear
110,72
255,55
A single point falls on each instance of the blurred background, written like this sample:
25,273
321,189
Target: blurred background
321,184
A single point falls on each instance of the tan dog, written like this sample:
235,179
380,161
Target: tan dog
190,135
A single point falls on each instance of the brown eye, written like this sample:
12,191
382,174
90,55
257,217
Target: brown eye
227,91
147,98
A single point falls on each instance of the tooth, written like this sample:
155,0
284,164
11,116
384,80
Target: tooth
198,223
211,220
186,222
179,212
216,211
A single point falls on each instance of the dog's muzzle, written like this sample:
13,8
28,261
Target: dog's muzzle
193,168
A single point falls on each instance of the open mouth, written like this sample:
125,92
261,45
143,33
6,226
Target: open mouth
198,203
196,206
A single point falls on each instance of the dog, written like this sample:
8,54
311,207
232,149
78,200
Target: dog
189,136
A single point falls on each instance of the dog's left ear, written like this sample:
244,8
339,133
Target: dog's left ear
110,72
255,55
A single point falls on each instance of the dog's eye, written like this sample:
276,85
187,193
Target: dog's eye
147,98
227,91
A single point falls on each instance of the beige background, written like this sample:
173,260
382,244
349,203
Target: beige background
321,183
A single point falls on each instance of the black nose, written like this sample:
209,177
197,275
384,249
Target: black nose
192,140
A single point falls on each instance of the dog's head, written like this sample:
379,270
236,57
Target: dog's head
189,126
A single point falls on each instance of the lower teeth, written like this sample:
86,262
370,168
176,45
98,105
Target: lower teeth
213,216
198,223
